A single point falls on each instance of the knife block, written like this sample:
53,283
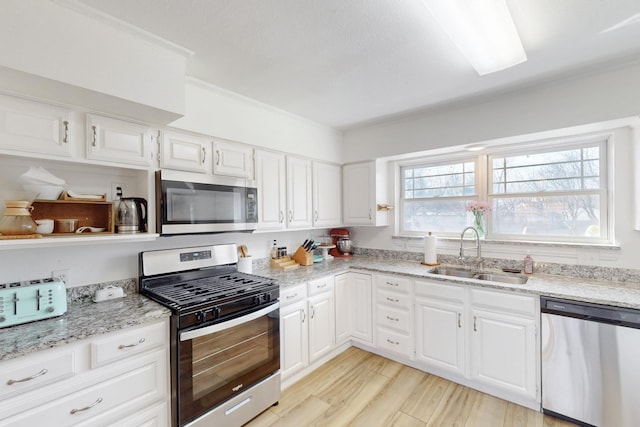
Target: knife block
303,257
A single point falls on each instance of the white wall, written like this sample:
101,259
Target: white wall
214,111
580,100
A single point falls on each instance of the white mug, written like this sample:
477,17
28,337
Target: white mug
245,264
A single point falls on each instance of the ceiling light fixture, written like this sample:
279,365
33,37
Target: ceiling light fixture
483,31
476,147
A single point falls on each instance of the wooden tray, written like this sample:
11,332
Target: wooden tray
20,236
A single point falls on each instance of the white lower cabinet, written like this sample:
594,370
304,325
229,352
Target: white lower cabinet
503,336
360,307
294,336
483,338
137,386
322,335
343,305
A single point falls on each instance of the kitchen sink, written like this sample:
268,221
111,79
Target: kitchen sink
503,278
471,274
457,272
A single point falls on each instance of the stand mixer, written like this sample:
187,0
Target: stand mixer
342,239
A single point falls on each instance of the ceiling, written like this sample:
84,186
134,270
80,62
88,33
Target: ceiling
345,63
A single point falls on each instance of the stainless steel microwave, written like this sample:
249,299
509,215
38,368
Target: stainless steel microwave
190,203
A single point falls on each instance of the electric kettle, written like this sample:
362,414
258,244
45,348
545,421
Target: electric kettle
131,215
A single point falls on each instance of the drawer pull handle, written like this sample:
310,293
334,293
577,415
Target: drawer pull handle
459,320
292,296
95,135
66,132
392,284
123,346
99,400
32,377
281,217
324,285
394,319
204,155
475,329
313,312
393,342
393,299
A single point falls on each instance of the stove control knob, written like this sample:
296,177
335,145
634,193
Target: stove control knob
200,316
50,309
2,319
215,312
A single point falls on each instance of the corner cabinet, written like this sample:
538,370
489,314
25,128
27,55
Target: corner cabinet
112,140
364,188
272,191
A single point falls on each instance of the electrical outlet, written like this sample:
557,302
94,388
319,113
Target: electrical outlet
117,190
62,274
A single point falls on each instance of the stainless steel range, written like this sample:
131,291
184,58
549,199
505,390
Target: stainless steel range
225,337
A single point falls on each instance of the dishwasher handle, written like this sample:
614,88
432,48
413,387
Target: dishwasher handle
592,312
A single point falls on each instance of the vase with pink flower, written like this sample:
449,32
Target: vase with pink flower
478,210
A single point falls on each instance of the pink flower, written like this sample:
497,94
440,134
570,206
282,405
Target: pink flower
478,207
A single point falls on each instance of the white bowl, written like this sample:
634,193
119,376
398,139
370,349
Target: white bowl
47,192
45,226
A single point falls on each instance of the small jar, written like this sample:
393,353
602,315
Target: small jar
17,219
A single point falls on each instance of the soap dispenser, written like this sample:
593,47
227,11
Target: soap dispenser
528,264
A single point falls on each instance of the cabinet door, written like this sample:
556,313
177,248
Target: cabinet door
360,307
344,303
298,193
321,325
359,194
185,152
232,159
440,334
118,141
503,351
272,193
327,195
294,354
32,127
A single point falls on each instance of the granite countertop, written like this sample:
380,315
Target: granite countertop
82,320
595,291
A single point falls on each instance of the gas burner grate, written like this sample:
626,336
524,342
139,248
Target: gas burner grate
211,288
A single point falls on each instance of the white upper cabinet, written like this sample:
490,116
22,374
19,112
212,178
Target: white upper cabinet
364,187
232,159
117,141
33,127
299,189
185,152
272,192
327,195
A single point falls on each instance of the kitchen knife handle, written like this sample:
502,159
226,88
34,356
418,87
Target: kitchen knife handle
32,377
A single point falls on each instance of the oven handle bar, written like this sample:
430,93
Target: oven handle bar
186,336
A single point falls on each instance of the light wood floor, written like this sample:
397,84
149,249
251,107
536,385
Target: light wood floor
358,388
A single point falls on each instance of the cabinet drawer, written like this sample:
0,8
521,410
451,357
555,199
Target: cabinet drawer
34,371
393,299
320,285
395,319
396,342
292,294
393,283
123,345
506,302
440,290
108,399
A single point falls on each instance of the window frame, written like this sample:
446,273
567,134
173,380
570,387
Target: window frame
484,185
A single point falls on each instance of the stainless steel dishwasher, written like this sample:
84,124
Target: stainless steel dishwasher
590,363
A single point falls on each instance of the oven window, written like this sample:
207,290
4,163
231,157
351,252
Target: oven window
216,366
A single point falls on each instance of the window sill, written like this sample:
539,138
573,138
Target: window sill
528,243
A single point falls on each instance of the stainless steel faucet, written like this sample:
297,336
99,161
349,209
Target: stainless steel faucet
477,248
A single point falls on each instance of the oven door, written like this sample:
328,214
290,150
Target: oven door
194,204
217,362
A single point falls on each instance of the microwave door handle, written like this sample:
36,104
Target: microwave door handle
186,336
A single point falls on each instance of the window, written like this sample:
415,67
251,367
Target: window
557,193
434,196
548,192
